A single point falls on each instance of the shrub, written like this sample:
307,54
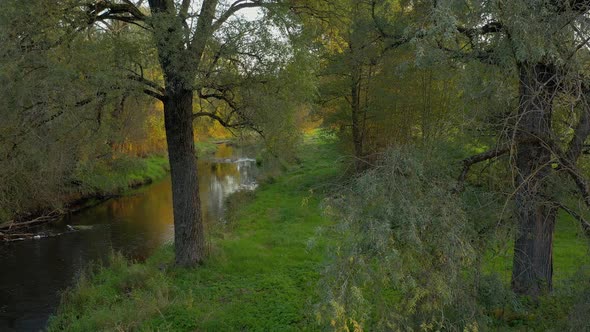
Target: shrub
406,243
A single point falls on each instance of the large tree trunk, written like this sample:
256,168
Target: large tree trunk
532,271
179,66
189,239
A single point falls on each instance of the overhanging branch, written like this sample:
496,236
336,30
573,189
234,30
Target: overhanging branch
487,155
585,224
234,8
151,84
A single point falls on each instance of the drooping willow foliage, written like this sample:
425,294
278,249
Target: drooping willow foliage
407,245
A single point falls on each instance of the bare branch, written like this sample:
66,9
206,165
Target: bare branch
581,132
155,94
569,166
107,10
222,121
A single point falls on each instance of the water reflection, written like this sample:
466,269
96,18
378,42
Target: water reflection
34,271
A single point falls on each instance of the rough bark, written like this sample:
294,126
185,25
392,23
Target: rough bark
532,272
179,65
189,240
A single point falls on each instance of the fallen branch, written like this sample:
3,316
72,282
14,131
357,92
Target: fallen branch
11,226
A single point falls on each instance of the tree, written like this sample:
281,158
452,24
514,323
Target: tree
183,32
58,110
543,45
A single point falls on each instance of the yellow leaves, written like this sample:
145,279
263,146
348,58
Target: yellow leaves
351,326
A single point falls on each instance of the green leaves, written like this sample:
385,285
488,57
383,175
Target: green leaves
405,243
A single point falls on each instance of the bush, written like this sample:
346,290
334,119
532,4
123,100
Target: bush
406,243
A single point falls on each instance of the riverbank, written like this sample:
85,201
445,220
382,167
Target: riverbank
90,186
261,273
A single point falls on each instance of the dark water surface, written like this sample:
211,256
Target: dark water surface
33,272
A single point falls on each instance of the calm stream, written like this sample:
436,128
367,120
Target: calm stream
35,271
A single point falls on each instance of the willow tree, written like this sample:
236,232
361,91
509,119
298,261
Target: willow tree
58,113
182,32
543,46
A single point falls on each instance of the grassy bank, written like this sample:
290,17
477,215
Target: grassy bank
261,274
570,251
89,184
206,148
120,175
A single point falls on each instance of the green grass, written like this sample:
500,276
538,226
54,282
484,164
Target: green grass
261,274
120,175
551,312
570,252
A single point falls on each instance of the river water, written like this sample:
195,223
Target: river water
34,272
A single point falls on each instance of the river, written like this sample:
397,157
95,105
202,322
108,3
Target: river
34,272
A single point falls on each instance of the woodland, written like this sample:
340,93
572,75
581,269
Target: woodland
425,161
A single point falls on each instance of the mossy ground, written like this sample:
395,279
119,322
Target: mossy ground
261,274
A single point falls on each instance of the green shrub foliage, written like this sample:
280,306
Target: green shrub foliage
406,245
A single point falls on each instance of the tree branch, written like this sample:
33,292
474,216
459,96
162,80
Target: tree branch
139,78
468,162
585,224
118,11
223,122
471,33
234,8
581,132
155,94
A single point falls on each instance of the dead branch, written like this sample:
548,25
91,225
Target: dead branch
11,226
